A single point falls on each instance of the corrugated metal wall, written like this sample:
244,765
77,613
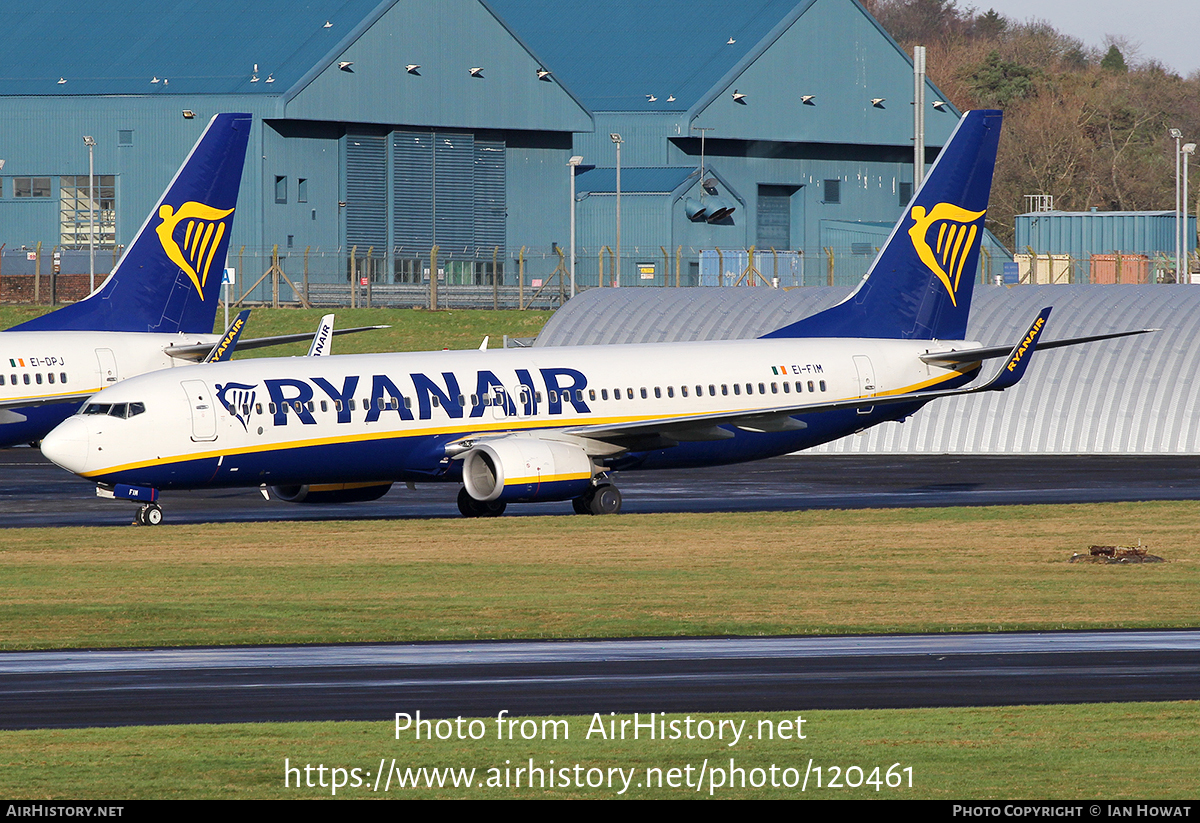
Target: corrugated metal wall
1134,396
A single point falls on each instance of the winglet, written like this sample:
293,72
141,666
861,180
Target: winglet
322,341
228,342
1018,360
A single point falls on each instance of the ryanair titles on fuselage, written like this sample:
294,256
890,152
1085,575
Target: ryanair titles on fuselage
379,394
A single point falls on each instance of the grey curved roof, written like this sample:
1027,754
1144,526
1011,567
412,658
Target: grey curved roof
1132,396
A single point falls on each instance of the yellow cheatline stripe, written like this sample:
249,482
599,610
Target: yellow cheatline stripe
508,425
72,393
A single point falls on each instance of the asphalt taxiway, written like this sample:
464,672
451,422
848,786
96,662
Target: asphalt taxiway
374,681
34,492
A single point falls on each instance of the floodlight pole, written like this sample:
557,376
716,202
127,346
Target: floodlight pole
90,142
1188,150
572,164
918,116
1177,134
616,138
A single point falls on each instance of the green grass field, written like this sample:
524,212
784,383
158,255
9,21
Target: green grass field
1084,752
412,329
814,572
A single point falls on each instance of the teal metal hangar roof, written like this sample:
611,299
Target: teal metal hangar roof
72,47
615,54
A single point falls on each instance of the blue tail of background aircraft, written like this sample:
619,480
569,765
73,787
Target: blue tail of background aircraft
920,285
169,278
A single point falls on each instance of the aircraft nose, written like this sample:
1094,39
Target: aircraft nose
67,444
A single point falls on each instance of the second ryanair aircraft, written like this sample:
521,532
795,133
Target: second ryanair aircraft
519,425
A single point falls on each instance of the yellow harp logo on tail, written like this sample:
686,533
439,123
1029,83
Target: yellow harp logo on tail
202,230
957,229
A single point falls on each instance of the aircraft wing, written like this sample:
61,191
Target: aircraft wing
658,432
23,402
199,352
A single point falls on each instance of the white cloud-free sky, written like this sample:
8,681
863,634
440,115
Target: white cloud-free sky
1166,30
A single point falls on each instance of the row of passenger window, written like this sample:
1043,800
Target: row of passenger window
36,378
813,386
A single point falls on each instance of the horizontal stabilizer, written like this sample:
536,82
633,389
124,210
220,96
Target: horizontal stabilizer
977,355
199,351
228,342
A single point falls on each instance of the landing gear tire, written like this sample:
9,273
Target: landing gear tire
470,507
606,499
582,505
150,514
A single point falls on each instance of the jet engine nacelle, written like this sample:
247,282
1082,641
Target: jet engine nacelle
526,469
331,492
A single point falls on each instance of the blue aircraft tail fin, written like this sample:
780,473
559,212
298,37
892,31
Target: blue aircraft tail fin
169,278
920,285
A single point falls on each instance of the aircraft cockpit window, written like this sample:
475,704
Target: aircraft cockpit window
135,409
119,410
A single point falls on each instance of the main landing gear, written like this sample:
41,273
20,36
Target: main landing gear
470,507
602,499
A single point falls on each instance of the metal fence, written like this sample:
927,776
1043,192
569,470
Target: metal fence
527,277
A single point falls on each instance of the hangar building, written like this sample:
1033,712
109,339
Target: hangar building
1131,396
391,126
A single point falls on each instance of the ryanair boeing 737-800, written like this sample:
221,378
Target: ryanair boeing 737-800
519,425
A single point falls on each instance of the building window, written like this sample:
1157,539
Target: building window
280,189
78,207
31,187
905,193
833,191
124,137
302,190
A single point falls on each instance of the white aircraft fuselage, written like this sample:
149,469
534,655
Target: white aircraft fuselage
381,418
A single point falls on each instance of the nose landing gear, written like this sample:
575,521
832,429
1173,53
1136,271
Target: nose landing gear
149,514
